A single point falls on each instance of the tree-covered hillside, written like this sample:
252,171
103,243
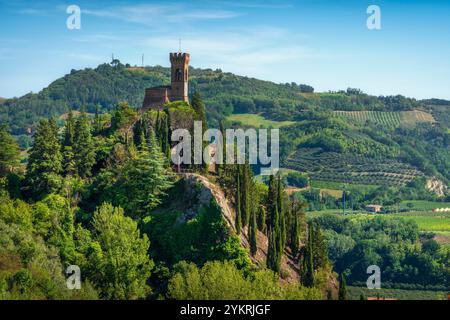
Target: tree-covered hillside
414,133
223,93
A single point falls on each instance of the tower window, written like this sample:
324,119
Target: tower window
178,75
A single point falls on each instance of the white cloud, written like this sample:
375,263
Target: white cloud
253,51
154,14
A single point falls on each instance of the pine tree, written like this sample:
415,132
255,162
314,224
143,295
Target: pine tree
9,152
342,295
253,233
45,160
83,147
145,178
238,202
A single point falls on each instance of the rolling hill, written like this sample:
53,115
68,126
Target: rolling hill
355,137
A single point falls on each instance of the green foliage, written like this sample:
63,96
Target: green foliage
119,253
223,281
9,152
45,161
252,233
83,147
200,239
35,241
392,244
342,294
137,182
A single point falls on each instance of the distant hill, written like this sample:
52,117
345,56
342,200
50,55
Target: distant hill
408,138
2,100
224,94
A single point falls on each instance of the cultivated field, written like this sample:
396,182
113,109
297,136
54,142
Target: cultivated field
356,292
350,168
388,119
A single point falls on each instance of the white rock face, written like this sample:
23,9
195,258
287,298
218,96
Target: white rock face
436,186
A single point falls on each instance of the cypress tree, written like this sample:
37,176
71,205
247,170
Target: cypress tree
246,186
199,107
308,261
275,251
220,167
320,250
253,233
282,213
271,201
295,232
238,203
262,219
342,295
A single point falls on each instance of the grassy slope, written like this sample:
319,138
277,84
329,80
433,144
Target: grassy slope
257,121
420,205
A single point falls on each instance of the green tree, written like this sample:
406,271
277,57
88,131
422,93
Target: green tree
83,147
98,127
261,219
252,230
199,107
342,294
307,277
274,250
295,228
144,179
238,202
9,152
45,161
119,254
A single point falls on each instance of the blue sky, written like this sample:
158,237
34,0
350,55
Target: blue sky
325,44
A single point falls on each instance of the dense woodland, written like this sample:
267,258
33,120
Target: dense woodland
96,189
99,193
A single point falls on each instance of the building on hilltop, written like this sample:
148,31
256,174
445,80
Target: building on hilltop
373,208
156,97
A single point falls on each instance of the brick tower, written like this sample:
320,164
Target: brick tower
179,76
